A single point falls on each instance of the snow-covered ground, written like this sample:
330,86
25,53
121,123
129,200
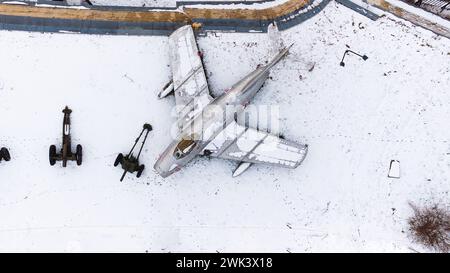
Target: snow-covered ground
224,4
136,3
156,3
130,3
356,119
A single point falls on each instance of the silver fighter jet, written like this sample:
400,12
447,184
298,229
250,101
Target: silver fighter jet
207,125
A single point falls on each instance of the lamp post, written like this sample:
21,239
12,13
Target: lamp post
364,57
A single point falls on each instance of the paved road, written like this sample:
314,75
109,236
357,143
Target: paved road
145,21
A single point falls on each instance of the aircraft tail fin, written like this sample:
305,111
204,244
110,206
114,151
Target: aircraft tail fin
275,38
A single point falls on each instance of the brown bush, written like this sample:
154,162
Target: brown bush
430,226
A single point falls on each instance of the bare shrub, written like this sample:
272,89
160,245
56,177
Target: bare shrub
430,226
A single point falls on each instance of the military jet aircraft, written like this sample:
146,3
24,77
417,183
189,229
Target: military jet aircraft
207,126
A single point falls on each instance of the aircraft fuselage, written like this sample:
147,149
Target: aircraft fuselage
223,110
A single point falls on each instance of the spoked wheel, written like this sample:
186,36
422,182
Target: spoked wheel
79,154
52,155
119,159
4,153
140,170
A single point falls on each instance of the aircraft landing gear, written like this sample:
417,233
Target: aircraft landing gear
130,163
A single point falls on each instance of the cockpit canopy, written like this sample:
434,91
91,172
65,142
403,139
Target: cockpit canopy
185,146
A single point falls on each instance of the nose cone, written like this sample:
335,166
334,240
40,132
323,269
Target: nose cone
166,165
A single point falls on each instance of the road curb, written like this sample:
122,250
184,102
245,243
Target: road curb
43,17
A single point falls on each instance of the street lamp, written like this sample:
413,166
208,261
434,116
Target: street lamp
364,57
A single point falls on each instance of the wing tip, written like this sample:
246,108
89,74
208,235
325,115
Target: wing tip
181,29
305,152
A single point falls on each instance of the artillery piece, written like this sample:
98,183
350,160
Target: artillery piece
130,163
66,153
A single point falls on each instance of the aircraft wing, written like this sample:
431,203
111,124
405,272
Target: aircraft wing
189,80
244,144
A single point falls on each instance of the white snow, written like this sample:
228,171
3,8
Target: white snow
231,5
14,3
60,7
149,3
173,3
355,119
130,3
